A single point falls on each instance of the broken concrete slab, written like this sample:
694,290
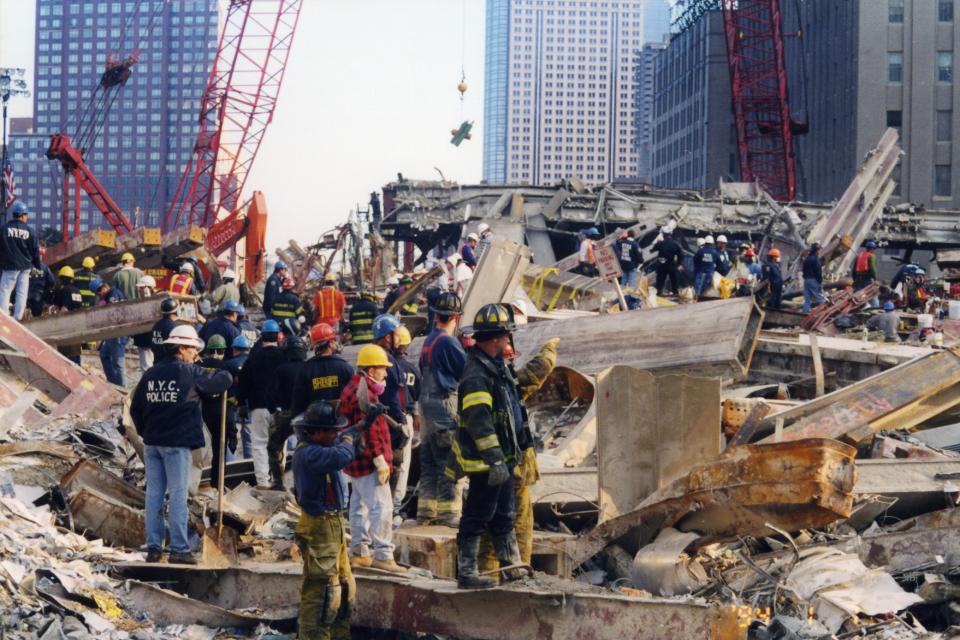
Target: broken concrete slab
496,276
791,485
918,485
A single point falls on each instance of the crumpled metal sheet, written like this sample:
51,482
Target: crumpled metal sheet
663,568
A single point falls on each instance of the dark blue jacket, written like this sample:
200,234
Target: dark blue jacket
270,292
391,393
160,332
446,358
316,466
706,259
319,378
812,268
19,247
469,257
259,369
668,251
219,326
723,261
771,273
628,253
411,383
166,403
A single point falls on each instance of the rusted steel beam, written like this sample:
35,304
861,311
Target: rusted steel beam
791,485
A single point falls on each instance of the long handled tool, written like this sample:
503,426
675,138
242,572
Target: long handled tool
220,550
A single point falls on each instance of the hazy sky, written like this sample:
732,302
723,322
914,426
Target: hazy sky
370,90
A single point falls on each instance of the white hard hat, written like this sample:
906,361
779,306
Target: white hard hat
186,335
454,258
482,228
147,281
708,240
229,273
721,238
519,306
473,236
186,267
393,280
700,242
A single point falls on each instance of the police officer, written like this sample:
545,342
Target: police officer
281,394
224,325
273,286
166,412
323,376
669,255
441,364
162,328
490,437
328,585
82,279
362,314
19,254
287,303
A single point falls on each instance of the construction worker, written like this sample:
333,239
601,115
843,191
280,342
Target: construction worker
865,269
393,291
40,289
469,250
227,290
628,254
410,394
273,286
183,283
772,279
329,303
487,446
746,272
281,393
586,254
371,503
410,307
162,328
704,266
669,255
362,313
888,322
328,588
486,237
723,258
459,274
247,328
67,297
19,254
112,350
224,325
442,359
323,376
252,392
812,278
144,341
287,303
166,413
82,278
127,277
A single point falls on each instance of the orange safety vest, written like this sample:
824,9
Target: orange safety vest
180,284
329,307
863,262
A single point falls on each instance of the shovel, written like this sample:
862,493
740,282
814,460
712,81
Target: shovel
219,545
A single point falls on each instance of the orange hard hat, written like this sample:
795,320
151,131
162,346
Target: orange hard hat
774,253
322,333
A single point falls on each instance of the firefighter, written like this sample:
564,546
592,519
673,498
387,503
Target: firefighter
393,292
410,307
183,283
287,303
82,278
273,286
491,436
328,585
441,365
362,314
329,303
323,376
67,297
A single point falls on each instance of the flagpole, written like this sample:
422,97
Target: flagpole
3,164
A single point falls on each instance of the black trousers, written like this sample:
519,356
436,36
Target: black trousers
488,509
670,271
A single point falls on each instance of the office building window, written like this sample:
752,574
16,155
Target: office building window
895,119
941,180
945,125
945,10
895,10
944,66
895,67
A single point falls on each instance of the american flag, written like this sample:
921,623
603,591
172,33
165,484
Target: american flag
9,184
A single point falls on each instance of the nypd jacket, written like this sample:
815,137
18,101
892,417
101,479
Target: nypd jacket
19,247
166,403
319,378
160,332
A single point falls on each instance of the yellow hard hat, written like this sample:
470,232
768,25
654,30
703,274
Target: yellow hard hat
403,336
127,257
88,263
372,355
65,272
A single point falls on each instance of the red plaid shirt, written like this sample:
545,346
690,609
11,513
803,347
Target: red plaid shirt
376,440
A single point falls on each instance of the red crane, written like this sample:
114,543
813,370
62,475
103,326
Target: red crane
236,108
758,82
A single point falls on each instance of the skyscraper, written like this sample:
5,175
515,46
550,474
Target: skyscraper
559,90
644,68
152,125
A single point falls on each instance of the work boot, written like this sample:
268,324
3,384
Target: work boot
448,520
154,554
358,562
508,554
276,472
426,510
467,576
388,565
182,557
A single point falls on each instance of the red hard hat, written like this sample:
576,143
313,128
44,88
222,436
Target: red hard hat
288,283
749,252
321,333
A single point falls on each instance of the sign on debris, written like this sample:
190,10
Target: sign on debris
607,262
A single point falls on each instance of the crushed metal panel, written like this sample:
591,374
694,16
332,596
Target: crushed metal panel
651,430
116,523
165,607
791,485
496,277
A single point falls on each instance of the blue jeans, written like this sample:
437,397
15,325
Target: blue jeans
629,279
112,358
8,281
702,281
811,294
167,473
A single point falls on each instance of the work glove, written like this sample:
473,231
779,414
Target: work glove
498,474
352,436
444,439
383,470
551,344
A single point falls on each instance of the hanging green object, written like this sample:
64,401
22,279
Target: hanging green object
461,134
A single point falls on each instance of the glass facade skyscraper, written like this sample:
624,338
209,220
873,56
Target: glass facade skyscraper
559,90
152,125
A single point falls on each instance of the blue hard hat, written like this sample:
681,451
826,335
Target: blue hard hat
279,265
95,283
231,306
888,306
593,232
19,208
384,324
270,326
241,310
241,342
871,244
